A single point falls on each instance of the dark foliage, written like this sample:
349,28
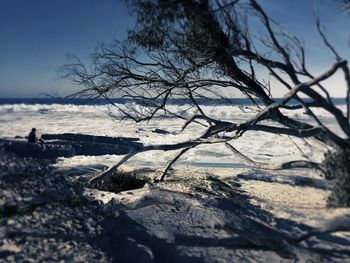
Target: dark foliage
337,168
346,5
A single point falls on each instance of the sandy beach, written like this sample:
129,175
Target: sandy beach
211,207
196,215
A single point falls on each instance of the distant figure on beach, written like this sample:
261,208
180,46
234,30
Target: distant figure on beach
33,138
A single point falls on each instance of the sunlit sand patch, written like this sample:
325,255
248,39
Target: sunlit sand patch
301,204
181,180
286,199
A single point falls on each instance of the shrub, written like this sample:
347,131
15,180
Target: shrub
337,168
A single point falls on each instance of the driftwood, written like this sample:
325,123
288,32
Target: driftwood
92,145
89,138
36,150
68,145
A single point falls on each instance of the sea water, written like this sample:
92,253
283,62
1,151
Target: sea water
96,117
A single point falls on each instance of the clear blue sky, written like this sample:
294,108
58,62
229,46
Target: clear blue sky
36,36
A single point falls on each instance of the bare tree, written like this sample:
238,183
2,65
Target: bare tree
204,49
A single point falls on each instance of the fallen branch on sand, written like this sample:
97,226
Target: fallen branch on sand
206,51
186,146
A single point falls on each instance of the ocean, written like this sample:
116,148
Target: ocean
99,101
97,117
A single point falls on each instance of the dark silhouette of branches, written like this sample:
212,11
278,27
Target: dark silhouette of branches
202,50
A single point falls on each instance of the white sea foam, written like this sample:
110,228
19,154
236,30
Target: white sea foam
50,108
18,119
224,112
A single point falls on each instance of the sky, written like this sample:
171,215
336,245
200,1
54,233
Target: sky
37,35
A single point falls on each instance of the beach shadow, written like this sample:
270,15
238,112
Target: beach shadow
292,180
124,240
